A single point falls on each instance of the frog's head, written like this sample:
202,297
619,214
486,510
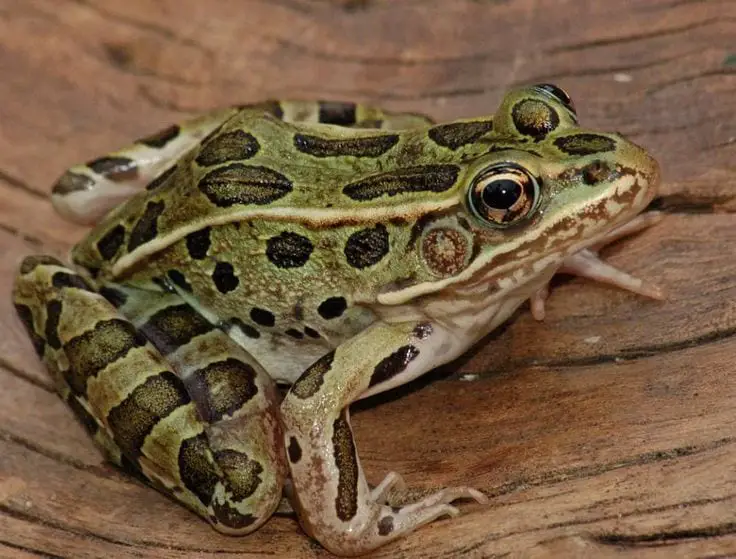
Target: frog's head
543,188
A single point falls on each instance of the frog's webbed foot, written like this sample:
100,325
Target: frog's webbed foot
588,264
334,502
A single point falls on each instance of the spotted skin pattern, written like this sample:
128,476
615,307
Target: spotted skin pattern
333,247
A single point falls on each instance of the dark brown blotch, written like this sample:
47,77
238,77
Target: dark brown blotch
385,525
367,247
83,416
294,450
332,307
228,516
72,182
244,184
161,138
110,242
161,179
95,349
242,473
534,118
114,296
26,317
146,228
585,144
180,280
224,278
65,280
424,178
172,327
311,380
394,364
423,330
228,146
133,419
198,243
337,112
197,468
346,461
289,250
457,134
222,388
294,333
371,146
115,168
51,331
245,328
262,317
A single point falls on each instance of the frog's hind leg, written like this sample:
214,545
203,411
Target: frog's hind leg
334,502
87,191
165,393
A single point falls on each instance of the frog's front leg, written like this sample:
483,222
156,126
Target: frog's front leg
163,392
87,191
334,502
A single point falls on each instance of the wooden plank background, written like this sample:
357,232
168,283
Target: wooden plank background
607,430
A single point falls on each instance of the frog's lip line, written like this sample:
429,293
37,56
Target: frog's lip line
643,198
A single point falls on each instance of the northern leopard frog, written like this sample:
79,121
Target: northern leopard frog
335,247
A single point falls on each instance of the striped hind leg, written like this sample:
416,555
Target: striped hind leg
165,393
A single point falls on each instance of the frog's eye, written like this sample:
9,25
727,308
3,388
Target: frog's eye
558,93
503,194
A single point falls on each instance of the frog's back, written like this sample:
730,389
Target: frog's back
257,166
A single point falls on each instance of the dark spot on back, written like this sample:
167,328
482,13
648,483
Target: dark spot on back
289,250
224,277
337,112
425,178
226,515
228,146
133,419
114,296
241,472
198,243
367,247
585,144
244,184
146,228
457,134
385,526
311,332
371,146
246,329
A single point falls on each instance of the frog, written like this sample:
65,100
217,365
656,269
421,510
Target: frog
253,271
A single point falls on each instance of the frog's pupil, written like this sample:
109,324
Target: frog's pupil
501,194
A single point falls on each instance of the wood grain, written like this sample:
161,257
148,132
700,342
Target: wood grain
607,430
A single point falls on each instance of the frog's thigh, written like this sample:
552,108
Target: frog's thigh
196,418
333,500
87,191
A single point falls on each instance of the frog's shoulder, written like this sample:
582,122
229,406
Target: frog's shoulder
257,166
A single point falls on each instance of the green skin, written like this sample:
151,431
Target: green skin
334,247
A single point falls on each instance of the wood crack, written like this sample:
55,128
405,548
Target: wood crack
29,550
665,537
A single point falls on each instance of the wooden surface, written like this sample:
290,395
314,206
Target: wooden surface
608,430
